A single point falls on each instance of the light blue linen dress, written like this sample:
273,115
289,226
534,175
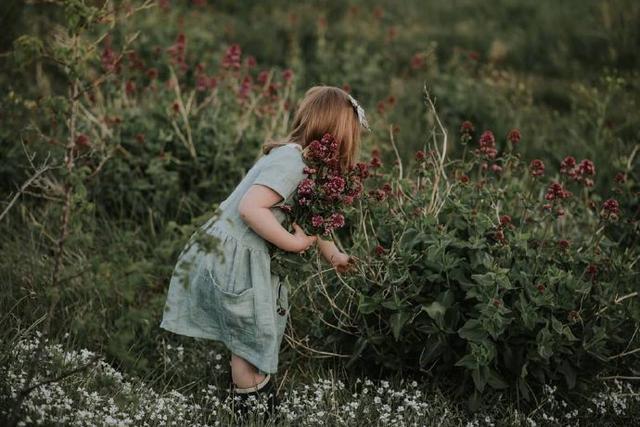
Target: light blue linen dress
235,298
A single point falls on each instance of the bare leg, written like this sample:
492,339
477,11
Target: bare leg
244,374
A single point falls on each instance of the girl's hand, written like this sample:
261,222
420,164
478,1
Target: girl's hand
303,242
342,262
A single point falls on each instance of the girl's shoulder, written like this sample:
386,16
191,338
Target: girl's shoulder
289,153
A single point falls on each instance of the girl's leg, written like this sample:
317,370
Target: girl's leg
243,373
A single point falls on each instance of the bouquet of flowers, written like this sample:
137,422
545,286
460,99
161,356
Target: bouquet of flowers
321,199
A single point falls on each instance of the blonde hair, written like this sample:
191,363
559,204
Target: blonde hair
324,109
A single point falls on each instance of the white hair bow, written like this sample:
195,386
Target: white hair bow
360,111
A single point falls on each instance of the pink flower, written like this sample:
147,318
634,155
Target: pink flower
317,221
306,187
334,186
337,220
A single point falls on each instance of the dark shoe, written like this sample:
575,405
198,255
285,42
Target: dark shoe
248,400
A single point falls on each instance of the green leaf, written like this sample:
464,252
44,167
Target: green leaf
434,310
397,322
367,305
472,330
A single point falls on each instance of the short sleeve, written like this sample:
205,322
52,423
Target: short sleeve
282,171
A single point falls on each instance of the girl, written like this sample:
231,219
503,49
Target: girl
235,298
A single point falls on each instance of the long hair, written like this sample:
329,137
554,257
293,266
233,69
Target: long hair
324,109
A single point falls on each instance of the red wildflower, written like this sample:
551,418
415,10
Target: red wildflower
306,187
557,191
317,221
611,208
592,271
387,188
140,138
232,57
152,73
466,127
505,220
251,61
536,168
379,250
82,141
464,179
287,75
334,186
514,136
420,155
130,88
540,287
564,244
587,168
375,162
245,87
417,61
621,178
487,145
378,194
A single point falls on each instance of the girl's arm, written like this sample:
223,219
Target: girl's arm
341,261
254,209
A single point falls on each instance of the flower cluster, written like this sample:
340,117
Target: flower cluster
326,190
487,145
578,171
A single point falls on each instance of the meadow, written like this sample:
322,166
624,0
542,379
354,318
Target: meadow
497,281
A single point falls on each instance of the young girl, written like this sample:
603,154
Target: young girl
235,298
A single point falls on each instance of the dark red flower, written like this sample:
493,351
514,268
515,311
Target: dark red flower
587,168
130,88
334,187
387,188
464,179
466,127
232,57
621,178
564,244
287,75
245,87
82,141
487,145
375,162
557,191
514,136
536,168
317,221
306,187
152,73
420,155
540,287
505,220
611,208
379,250
140,138
378,194
251,61
417,61
592,271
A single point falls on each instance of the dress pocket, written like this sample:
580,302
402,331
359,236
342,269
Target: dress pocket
238,312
